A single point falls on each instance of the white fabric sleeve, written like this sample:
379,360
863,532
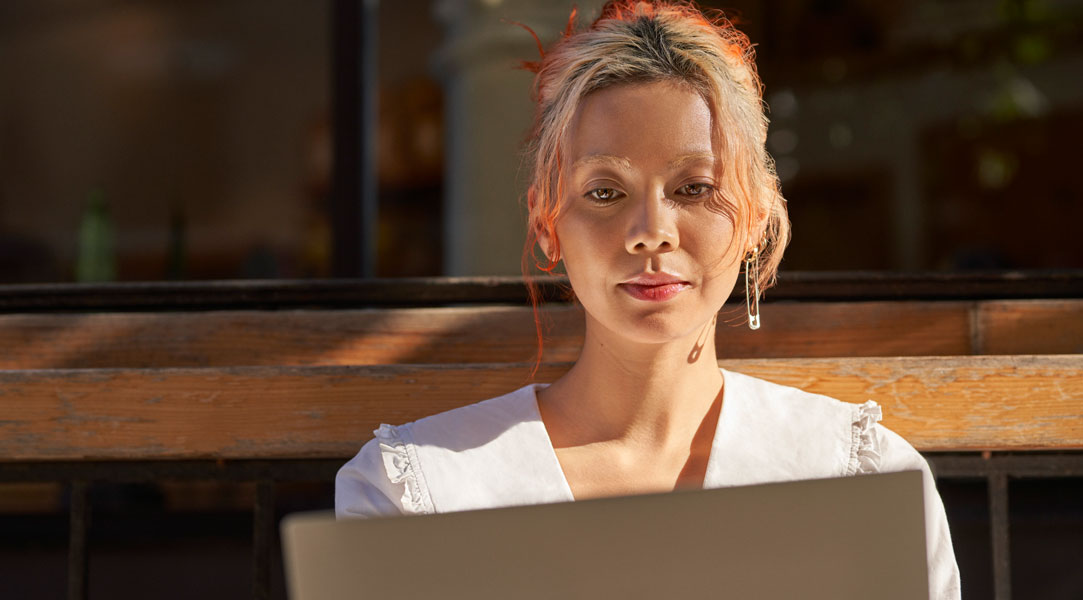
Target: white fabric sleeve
363,489
896,454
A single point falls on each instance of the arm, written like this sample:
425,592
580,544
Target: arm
362,488
896,454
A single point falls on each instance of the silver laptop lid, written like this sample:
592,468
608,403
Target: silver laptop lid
854,537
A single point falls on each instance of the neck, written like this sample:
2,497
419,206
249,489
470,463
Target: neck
648,395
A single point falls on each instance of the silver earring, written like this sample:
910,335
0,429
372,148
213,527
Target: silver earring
752,288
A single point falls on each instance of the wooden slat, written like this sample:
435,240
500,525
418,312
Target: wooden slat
939,403
836,329
1017,402
1030,327
506,334
273,338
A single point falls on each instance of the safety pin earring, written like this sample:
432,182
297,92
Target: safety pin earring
752,288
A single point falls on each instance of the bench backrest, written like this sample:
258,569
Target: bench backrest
500,334
285,381
937,403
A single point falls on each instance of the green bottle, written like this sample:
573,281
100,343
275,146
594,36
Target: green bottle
96,258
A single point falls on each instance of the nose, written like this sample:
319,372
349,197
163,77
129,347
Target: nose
653,226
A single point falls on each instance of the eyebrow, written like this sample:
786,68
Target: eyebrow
603,159
684,159
624,163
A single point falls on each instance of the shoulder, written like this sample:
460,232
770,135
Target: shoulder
474,425
423,466
776,432
800,415
363,487
783,400
789,412
803,435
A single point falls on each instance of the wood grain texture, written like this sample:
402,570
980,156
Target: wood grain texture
272,338
938,403
506,334
836,329
1024,326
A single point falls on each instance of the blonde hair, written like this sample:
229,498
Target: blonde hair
642,42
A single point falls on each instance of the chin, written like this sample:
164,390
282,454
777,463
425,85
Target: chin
658,327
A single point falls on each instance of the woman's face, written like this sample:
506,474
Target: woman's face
641,240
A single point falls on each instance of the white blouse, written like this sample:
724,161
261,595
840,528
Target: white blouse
497,453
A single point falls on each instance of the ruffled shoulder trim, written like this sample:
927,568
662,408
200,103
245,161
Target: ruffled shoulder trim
401,464
864,444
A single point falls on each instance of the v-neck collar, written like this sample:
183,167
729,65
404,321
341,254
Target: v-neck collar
499,453
550,451
728,395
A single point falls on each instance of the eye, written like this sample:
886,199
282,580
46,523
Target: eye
695,190
603,195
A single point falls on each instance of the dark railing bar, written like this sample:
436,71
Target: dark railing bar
78,565
321,469
435,291
996,468
1017,465
945,466
263,523
998,515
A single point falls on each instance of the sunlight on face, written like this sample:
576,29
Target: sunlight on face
642,246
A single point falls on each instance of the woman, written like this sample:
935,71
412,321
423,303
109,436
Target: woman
651,185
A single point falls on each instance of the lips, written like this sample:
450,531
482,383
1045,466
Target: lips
654,287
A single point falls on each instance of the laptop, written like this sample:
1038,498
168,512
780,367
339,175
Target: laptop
853,537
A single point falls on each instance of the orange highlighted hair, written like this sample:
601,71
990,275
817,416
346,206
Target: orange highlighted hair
642,42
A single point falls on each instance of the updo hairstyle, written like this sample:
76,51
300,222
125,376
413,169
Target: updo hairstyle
660,41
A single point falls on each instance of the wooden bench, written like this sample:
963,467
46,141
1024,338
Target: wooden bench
289,391
503,334
973,403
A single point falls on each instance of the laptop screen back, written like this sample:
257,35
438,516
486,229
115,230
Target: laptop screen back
854,537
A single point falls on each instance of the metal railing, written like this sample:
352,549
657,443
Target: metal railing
995,468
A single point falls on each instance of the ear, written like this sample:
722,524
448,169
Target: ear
548,244
759,228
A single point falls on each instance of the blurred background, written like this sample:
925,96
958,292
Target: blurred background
163,139
147,140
